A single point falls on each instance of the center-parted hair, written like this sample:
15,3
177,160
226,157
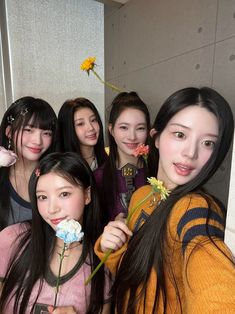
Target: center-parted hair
69,141
150,239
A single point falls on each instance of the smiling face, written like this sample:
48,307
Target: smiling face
32,142
86,127
130,130
185,145
58,199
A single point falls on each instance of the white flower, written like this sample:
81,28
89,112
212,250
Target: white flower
7,157
69,230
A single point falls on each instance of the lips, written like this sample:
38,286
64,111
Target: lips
131,145
35,150
183,169
91,137
56,221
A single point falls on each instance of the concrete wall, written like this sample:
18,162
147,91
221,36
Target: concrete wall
43,44
157,47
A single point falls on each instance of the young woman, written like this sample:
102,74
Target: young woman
62,187
81,131
177,262
122,172
28,128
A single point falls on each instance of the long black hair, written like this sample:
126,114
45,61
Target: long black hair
24,110
147,248
32,256
69,141
120,103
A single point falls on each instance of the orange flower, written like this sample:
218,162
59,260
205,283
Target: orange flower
141,150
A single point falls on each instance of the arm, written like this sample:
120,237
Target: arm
208,272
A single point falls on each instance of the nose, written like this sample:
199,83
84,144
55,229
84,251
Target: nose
52,207
132,135
90,126
37,137
191,150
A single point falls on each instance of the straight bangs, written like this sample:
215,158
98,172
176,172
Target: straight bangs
43,119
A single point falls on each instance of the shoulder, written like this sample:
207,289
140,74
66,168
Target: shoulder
11,233
194,217
141,192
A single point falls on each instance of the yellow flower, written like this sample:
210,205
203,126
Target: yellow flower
88,64
158,186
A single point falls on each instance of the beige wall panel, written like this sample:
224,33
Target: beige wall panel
157,82
226,19
163,29
224,70
113,51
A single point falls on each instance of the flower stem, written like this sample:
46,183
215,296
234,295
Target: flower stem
131,212
106,83
98,266
58,278
110,251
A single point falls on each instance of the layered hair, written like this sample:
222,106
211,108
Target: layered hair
135,268
32,257
69,141
121,102
24,111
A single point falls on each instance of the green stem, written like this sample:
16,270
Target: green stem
98,266
131,212
58,278
106,83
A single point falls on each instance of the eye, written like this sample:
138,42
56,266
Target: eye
123,127
79,124
179,135
209,144
41,197
27,129
141,128
94,120
65,194
47,133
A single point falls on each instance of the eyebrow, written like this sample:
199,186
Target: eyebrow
61,188
126,123
92,116
188,128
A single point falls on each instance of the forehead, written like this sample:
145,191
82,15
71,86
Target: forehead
56,181
196,117
83,113
131,115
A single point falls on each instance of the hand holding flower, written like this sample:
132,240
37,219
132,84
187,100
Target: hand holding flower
7,157
116,232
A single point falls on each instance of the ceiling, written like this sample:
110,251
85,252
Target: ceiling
113,2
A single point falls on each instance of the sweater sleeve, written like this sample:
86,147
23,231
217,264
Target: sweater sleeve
207,270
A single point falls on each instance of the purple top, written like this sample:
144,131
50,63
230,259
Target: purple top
121,204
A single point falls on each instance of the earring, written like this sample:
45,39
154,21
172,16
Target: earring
9,144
